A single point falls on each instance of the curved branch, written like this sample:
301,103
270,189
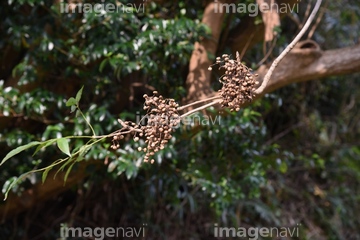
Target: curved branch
288,48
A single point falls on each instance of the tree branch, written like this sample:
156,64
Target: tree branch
311,64
270,18
288,48
200,108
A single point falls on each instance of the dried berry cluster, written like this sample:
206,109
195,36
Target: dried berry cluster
162,117
238,82
162,114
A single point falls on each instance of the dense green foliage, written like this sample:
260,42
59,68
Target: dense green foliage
291,157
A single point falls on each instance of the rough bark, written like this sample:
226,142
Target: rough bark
308,62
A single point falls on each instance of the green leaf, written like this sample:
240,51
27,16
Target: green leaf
71,102
78,95
63,145
73,108
79,158
283,167
77,113
63,166
8,185
18,150
45,173
121,167
44,145
131,171
68,172
103,64
82,151
118,73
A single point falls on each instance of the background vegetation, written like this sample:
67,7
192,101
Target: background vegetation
291,157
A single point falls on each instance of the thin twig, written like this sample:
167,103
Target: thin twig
288,48
321,14
200,108
295,19
268,53
87,121
307,12
283,133
246,45
199,101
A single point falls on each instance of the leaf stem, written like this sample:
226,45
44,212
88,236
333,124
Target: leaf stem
87,122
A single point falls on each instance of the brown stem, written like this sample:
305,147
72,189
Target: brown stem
197,102
200,108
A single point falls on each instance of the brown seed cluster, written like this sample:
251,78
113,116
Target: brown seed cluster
162,117
162,114
238,82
